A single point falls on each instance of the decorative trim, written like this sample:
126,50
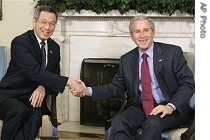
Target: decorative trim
116,14
117,25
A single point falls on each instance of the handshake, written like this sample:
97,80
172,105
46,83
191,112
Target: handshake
77,87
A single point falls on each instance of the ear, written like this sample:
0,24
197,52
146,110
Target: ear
34,22
154,34
131,35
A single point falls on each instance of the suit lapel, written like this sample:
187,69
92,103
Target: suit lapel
158,63
50,53
36,51
158,58
134,65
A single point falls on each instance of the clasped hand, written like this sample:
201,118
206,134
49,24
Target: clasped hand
77,88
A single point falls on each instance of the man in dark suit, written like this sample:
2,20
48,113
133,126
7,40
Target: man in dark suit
172,85
27,83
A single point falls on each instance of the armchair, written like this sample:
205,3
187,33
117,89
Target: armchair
182,133
48,131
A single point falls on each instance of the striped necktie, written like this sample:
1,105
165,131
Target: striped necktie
43,54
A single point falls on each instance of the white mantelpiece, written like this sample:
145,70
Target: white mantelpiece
107,36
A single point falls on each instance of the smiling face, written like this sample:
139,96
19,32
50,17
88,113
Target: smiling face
44,26
142,34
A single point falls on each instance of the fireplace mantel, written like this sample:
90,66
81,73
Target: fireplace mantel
107,36
89,23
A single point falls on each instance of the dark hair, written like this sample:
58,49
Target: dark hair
45,8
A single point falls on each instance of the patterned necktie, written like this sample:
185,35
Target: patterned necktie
43,55
147,96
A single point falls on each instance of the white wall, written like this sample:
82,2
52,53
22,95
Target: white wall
16,19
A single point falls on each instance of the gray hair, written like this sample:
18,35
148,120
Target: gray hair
140,18
45,8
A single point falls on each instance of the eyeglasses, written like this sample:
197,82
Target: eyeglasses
46,23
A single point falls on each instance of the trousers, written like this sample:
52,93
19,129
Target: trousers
125,125
21,121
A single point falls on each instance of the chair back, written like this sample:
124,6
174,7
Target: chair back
2,61
190,57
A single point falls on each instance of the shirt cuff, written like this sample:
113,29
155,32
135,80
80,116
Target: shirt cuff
90,91
170,104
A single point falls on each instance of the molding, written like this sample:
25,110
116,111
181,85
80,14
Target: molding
117,24
116,14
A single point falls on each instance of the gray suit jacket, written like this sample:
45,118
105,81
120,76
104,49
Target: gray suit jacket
175,78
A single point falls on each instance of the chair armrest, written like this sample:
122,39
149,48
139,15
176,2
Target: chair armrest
54,111
122,107
108,122
189,132
124,98
48,131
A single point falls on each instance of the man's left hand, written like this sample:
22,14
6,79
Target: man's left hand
164,109
37,96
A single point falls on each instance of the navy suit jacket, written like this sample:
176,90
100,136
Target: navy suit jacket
175,78
24,73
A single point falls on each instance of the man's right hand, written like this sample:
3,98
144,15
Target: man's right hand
77,87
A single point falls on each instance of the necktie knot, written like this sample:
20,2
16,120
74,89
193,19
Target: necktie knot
42,44
144,55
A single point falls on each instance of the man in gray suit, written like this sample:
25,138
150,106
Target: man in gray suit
27,83
172,85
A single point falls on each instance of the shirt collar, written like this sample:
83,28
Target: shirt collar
39,40
149,52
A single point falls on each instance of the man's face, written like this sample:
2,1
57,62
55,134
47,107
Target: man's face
142,34
45,25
